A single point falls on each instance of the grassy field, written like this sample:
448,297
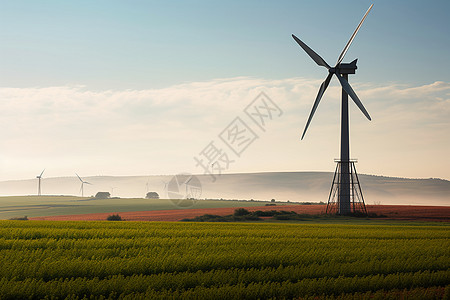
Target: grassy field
142,260
35,206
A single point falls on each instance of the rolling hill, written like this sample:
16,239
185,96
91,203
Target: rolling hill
282,186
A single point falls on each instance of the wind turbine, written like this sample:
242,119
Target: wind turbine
39,177
345,169
165,187
186,185
82,185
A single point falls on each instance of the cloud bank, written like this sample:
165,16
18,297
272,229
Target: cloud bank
69,129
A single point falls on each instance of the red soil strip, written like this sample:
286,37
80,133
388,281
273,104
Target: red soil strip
394,212
412,212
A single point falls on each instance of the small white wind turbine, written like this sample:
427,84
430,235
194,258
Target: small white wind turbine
112,190
165,187
82,185
39,177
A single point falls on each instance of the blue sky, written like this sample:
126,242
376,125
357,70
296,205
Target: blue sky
148,44
103,86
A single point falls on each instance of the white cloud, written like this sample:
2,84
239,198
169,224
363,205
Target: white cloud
160,130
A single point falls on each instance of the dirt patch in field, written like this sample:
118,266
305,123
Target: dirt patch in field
395,212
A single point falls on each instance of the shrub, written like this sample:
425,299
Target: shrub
114,218
247,218
25,218
241,212
228,218
208,218
287,217
267,213
152,195
375,215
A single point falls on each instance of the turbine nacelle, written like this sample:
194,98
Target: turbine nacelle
40,175
346,68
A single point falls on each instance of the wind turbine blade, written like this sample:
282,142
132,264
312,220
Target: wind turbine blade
348,89
316,57
79,177
322,89
341,57
42,173
189,179
87,182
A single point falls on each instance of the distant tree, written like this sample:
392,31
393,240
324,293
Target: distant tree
114,218
25,218
273,200
152,195
241,212
102,195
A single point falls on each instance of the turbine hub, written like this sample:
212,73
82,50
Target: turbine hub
332,70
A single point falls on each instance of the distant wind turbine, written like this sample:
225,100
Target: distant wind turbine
165,187
82,185
39,177
186,185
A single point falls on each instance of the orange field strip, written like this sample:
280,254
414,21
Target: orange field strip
397,212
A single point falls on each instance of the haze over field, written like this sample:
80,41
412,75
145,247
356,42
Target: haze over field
295,187
122,88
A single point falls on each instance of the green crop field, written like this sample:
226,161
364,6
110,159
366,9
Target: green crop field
36,206
146,260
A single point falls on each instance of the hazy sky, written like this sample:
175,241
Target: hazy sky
142,87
